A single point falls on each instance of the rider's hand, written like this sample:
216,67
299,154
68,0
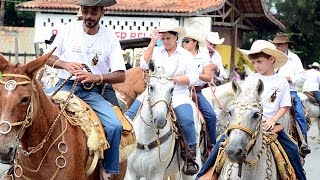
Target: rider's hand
84,76
71,67
269,124
155,35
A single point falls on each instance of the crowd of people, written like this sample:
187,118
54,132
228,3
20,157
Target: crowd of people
86,43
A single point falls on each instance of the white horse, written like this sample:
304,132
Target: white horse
312,109
246,138
156,157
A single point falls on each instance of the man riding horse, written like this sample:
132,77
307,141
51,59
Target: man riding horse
88,50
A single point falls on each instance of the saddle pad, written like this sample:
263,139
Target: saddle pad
127,126
101,133
81,114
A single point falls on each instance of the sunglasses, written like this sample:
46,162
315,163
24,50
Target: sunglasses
186,40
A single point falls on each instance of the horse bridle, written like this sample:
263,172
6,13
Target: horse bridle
242,108
10,85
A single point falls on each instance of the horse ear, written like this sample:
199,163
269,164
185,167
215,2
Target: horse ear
259,87
151,65
3,62
235,87
35,65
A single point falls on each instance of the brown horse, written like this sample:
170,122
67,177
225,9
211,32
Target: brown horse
42,144
135,84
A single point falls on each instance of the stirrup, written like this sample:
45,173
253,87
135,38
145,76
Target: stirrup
189,163
304,150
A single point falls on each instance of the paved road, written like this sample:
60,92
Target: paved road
312,160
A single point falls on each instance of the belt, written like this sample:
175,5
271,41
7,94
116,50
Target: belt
198,88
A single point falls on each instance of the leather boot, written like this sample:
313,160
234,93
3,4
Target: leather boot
304,148
190,167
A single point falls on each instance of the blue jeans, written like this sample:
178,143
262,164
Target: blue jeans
109,95
108,118
184,114
289,146
299,113
208,114
317,95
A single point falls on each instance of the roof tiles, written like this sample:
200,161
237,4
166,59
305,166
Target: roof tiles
173,6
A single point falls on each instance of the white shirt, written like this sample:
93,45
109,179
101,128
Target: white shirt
183,58
202,59
294,69
313,80
272,84
217,59
74,45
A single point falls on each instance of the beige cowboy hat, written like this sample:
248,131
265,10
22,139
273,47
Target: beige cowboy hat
314,64
196,35
169,25
281,39
268,48
103,3
79,13
213,37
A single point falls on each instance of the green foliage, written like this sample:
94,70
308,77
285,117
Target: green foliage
12,17
302,21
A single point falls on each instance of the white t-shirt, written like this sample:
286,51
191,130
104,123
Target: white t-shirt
294,69
274,84
313,80
183,58
202,59
74,45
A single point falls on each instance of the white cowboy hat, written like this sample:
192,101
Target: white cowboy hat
268,48
213,37
103,3
314,64
169,25
196,35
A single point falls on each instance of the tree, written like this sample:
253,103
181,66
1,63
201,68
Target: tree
302,21
17,18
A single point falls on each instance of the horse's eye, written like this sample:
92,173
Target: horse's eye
171,90
229,112
256,115
25,100
151,88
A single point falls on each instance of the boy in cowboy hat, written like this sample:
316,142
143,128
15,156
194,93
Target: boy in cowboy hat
294,73
186,74
87,43
313,80
275,101
192,42
213,40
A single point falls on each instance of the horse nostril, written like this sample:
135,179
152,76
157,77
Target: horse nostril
238,152
11,150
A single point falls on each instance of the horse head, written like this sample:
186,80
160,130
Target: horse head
18,104
245,118
160,91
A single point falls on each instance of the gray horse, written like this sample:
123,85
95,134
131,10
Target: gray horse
247,152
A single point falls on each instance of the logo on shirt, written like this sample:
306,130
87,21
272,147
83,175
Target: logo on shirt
273,97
